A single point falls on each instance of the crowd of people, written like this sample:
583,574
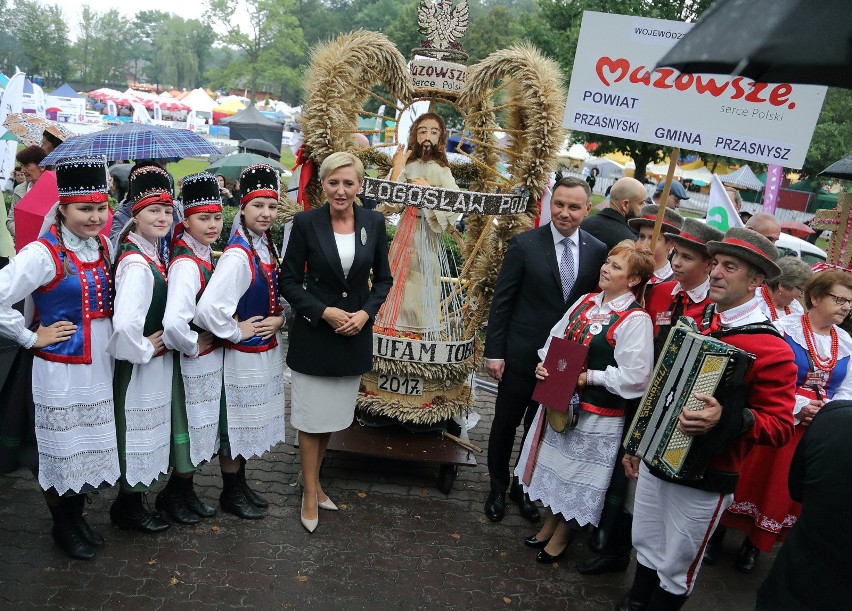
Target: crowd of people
148,357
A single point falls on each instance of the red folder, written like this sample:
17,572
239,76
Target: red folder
565,361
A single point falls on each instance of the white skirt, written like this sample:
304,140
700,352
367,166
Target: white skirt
254,393
320,404
573,469
75,419
148,418
202,385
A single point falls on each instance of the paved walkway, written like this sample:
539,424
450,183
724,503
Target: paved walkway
397,543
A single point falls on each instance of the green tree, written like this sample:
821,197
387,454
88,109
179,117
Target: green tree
323,19
181,49
490,31
100,55
10,50
146,25
273,47
42,36
833,133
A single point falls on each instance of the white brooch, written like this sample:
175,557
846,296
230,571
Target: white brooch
363,236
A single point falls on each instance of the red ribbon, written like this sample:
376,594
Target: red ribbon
149,200
208,208
258,193
92,198
309,168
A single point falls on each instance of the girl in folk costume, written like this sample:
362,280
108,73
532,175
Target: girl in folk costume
779,297
67,273
573,468
143,368
762,506
197,382
241,305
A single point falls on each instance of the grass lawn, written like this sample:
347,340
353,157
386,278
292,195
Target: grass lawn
193,165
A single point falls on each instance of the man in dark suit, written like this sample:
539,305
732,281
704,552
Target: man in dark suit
541,276
610,224
812,568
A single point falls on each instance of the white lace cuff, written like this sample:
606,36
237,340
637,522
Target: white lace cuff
26,338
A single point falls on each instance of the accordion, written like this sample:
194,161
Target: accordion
689,363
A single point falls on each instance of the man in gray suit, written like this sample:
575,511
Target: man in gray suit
544,271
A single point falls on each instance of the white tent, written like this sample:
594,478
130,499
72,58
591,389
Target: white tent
662,169
744,178
700,176
199,101
607,168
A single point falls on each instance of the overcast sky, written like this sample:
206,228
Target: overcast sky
188,9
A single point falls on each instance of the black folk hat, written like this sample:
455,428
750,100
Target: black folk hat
749,246
259,180
149,185
695,234
82,180
200,193
672,221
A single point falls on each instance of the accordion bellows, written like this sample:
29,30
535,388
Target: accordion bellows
689,363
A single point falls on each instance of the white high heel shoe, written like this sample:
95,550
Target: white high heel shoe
310,525
327,504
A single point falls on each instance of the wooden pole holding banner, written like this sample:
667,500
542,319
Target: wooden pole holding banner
658,225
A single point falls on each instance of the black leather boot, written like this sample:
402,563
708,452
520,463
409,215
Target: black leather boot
714,546
233,499
76,504
747,557
528,509
253,497
128,513
645,583
615,556
495,505
65,535
666,601
171,501
201,509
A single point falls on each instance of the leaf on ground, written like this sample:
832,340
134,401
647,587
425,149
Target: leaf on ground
152,562
343,506
362,494
215,528
302,578
504,554
174,581
456,536
507,600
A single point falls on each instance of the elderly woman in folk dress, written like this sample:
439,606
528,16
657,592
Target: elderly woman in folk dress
779,297
762,506
574,468
241,305
326,278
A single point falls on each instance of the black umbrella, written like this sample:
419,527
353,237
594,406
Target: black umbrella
262,147
772,41
839,169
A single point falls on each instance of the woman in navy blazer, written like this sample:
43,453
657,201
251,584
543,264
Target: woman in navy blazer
325,277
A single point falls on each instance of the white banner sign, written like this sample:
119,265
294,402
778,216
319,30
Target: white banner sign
616,92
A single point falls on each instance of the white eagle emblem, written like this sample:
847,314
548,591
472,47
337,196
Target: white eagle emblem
443,25
561,365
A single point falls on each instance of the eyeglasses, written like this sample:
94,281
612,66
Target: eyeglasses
841,301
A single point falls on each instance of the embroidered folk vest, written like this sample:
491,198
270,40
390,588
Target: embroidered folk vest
261,298
80,297
154,317
597,399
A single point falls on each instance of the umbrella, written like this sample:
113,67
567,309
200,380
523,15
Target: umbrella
231,165
29,128
800,230
134,141
839,169
772,41
7,135
256,145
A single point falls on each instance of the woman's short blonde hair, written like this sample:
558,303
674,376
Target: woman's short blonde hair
823,282
338,160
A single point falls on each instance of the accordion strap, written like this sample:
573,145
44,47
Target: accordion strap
750,329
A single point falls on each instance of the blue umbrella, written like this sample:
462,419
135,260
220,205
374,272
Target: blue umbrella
134,141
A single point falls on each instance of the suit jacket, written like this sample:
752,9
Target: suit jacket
609,227
528,295
312,279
